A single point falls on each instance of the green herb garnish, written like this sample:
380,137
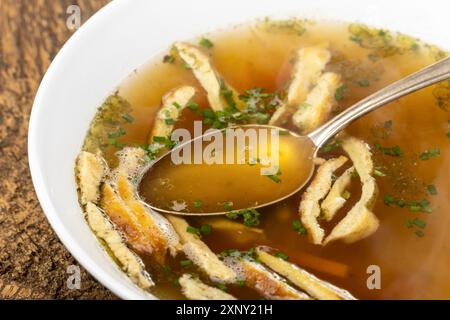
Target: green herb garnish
193,230
251,253
198,203
166,141
282,255
413,206
395,151
275,177
332,145
221,286
340,92
363,83
434,152
204,42
168,58
419,223
298,227
431,188
419,233
192,105
185,263
118,133
169,121
205,229
240,283
176,105
249,216
228,206
378,173
128,118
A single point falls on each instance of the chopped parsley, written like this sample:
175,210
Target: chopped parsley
298,227
168,58
395,151
228,206
417,224
258,108
240,283
169,121
166,141
377,171
431,188
250,216
419,233
118,133
192,105
206,43
205,229
198,203
381,42
340,92
387,124
413,206
228,95
193,230
176,105
363,83
275,177
427,154
282,255
221,286
235,253
166,269
408,224
332,145
128,118
185,263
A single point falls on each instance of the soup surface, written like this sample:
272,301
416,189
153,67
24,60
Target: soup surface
409,139
238,183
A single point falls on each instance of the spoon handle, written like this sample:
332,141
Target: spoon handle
427,76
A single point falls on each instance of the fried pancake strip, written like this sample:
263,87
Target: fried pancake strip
129,262
318,105
145,220
194,289
265,282
125,220
200,254
209,79
90,170
360,222
173,104
310,63
309,206
307,282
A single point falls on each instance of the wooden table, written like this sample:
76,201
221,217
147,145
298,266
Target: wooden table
33,262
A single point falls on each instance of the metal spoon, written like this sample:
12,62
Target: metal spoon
310,143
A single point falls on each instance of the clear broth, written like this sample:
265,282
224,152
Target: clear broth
247,56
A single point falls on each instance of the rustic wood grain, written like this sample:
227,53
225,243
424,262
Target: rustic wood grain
33,263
